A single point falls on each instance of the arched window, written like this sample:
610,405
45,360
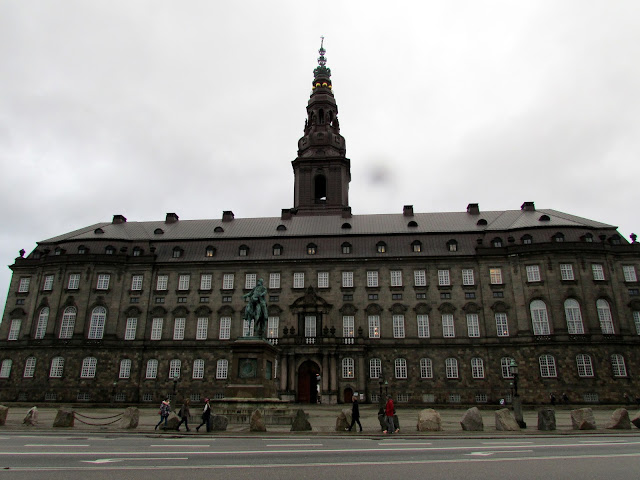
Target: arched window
312,249
401,368
381,247
222,369
198,368
617,365
277,250
109,250
496,242
152,368
5,369
573,316
604,316
68,322
57,367
96,326
218,229
348,368
346,248
82,250
88,367
558,237
243,251
426,368
539,318
451,367
29,367
177,252
527,239
452,245
209,251
477,367
375,368
137,251
505,367
43,319
125,368
281,228
174,368
346,226
585,365
416,246
547,366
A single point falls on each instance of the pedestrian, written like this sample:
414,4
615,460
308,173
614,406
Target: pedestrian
206,416
552,397
355,413
165,410
389,412
565,398
184,415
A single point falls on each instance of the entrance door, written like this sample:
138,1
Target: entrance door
348,395
308,382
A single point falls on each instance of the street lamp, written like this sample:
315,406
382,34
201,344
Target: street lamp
386,387
513,367
113,392
516,402
175,385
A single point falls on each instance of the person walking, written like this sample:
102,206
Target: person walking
389,411
355,413
184,415
165,410
206,416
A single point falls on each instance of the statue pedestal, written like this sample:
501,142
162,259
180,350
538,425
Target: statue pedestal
252,370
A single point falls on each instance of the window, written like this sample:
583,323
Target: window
227,281
29,367
416,247
451,367
381,247
225,328
539,318
566,271
495,274
57,367
505,367
202,328
137,251
636,321
374,326
629,272
48,283
473,326
477,368
452,246
443,278
103,281
323,279
156,329
448,330
426,368
136,282
74,281
396,278
250,281
372,279
547,366
401,368
398,326
163,281
276,250
347,368
68,323
209,252
423,326
273,324
152,368
298,280
23,286
558,237
125,368
373,296
348,326
312,249
346,248
88,367
469,295
221,369
198,368
585,365
183,282
445,295
175,366
205,281
527,239
248,327
243,251
502,327
96,326
178,328
420,278
310,326
604,316
274,280
467,276
533,273
573,316
375,368
496,242
130,329
347,279
5,369
617,365
598,271
43,319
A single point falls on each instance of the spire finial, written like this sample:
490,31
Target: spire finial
322,61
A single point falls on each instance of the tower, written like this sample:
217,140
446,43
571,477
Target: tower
322,172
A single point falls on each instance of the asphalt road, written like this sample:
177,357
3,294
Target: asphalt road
98,457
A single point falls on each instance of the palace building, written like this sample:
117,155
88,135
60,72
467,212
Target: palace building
430,307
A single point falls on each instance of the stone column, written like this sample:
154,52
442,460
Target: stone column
283,372
325,373
292,373
334,373
360,373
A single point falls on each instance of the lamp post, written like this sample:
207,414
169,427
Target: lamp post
175,385
386,388
113,392
516,402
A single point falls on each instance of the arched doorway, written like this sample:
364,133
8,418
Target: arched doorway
308,382
347,395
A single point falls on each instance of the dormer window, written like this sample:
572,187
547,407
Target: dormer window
177,252
58,251
558,237
110,250
158,231
452,245
98,231
312,249
544,218
82,250
416,246
277,250
412,223
281,228
218,229
527,239
496,242
137,251
381,247
481,223
209,251
615,240
346,226
346,248
243,251
588,238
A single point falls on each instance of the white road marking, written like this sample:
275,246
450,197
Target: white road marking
114,460
493,452
55,445
402,444
294,445
283,439
507,442
197,445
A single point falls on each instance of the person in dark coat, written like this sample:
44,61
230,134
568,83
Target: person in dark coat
184,415
355,413
206,416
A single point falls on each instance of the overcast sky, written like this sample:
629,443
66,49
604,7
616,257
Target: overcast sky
145,107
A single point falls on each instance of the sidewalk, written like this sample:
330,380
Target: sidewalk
322,419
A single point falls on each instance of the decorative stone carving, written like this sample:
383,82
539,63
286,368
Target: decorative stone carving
64,418
583,419
619,420
547,419
472,420
429,421
130,418
256,424
300,422
505,421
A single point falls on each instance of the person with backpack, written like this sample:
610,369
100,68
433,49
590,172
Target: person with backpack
165,410
184,415
206,416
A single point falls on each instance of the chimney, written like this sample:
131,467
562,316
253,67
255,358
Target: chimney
118,219
227,216
473,209
528,207
407,211
346,212
286,214
171,218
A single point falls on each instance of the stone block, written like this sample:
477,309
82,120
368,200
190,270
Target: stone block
619,420
64,418
429,421
583,419
505,421
172,422
218,423
130,418
636,420
472,420
31,419
547,419
256,424
3,414
300,422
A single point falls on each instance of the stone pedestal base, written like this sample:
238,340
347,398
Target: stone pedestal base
252,370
